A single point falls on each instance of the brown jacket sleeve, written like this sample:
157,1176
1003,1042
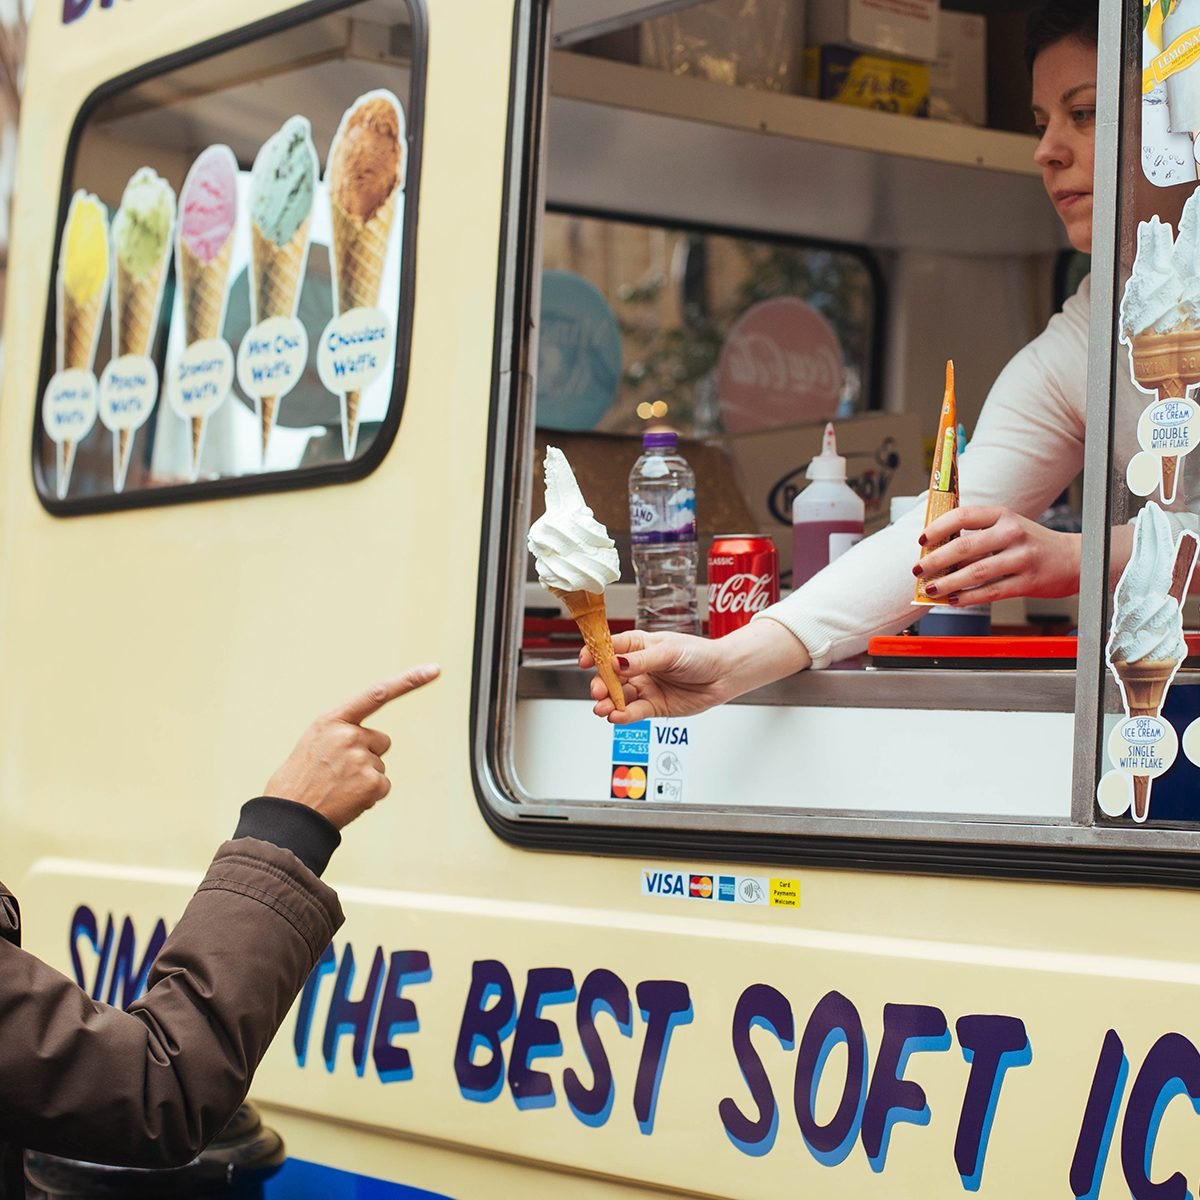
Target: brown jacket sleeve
152,1086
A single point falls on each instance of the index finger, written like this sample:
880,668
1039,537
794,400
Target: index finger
375,697
955,521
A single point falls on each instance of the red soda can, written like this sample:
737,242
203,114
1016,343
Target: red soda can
743,578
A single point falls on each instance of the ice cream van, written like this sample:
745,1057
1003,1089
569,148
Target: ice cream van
299,294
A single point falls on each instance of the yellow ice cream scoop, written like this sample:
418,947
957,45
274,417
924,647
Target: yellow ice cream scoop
85,248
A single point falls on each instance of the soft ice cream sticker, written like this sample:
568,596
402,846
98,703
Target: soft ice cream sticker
368,163
200,381
1144,651
128,393
1167,430
69,404
283,188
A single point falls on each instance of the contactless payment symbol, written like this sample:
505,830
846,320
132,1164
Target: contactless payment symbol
628,783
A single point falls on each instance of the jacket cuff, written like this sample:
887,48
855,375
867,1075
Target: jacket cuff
291,826
810,632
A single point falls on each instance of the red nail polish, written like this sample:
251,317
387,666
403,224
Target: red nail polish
921,540
951,599
623,663
918,570
931,589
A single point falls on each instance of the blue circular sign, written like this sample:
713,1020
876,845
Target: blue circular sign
579,354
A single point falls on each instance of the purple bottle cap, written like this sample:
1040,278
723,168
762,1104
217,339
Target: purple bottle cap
663,440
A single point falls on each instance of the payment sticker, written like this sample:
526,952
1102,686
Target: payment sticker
720,888
785,893
649,761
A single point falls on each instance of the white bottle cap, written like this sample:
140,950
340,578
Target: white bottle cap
829,464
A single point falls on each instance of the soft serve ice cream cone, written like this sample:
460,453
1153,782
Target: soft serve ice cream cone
283,185
207,217
141,237
83,275
1146,644
366,172
576,560
1164,350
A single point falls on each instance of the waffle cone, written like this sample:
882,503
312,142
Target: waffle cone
938,505
592,619
198,424
359,251
1141,797
1168,470
1161,360
1145,684
204,287
79,325
278,275
122,449
135,304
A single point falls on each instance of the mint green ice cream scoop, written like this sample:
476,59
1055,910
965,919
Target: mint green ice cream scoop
284,182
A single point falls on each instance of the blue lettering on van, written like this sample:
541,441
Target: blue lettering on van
74,9
374,1019
991,1045
601,991
490,1016
1099,1118
834,1020
759,1006
128,976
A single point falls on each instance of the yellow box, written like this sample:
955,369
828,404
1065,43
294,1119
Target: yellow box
848,76
785,893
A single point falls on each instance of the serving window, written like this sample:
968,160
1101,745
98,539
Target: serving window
232,287
995,753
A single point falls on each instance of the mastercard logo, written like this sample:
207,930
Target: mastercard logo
702,886
628,783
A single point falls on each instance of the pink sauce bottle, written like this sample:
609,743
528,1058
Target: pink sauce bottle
827,516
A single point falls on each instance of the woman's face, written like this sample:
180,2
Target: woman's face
1064,115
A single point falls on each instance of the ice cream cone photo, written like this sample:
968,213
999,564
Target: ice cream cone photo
1146,644
82,292
576,560
366,175
141,242
208,211
282,191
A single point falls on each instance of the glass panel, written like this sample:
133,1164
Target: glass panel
1150,744
228,296
676,294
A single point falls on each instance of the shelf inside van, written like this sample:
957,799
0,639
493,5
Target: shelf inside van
632,139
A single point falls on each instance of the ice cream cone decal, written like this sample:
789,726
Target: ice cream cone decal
1146,647
576,560
367,163
141,243
70,406
208,212
282,190
1160,323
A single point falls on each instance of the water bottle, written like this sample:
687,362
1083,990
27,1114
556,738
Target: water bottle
662,522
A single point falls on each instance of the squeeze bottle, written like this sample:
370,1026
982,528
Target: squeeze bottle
827,516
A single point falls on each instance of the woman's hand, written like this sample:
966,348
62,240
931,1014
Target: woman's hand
677,675
997,554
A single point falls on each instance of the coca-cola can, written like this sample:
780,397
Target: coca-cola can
743,578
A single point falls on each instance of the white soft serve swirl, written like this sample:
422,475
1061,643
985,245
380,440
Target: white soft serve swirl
572,549
1154,290
1148,622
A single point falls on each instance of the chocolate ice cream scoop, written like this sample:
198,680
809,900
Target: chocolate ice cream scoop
366,161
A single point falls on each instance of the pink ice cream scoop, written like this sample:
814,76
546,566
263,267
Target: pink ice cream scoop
209,203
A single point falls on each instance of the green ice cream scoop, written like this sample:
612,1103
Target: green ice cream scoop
142,227
284,182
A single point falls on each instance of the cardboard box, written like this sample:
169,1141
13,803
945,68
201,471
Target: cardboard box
744,43
848,76
958,79
896,28
883,459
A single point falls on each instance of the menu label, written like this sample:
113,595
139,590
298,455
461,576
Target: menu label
272,357
128,392
69,406
202,378
355,350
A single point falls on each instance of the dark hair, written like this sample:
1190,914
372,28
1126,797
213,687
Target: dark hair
1055,20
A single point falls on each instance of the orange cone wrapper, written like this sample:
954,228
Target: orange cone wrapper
943,480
